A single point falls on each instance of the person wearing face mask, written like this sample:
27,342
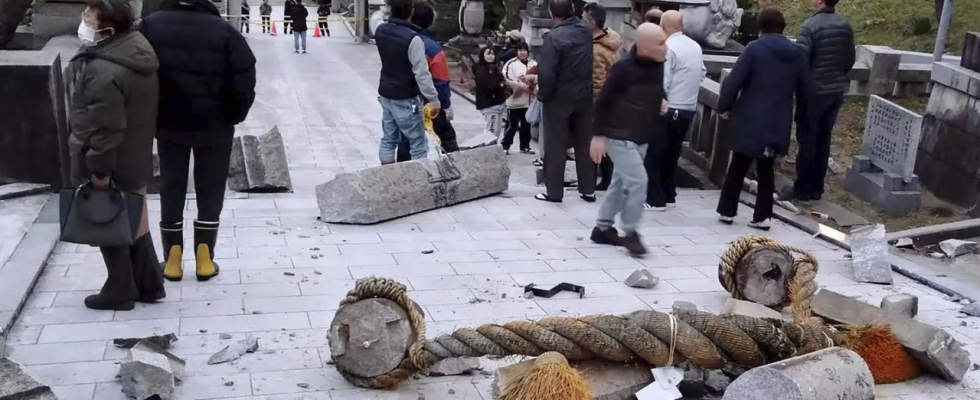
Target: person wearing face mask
627,109
113,117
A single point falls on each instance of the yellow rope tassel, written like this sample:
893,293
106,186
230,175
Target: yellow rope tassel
551,378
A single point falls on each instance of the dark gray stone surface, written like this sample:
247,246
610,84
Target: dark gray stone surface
834,373
259,163
17,384
145,374
391,191
370,337
869,249
870,187
902,304
971,52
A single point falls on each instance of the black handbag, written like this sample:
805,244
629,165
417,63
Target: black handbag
100,217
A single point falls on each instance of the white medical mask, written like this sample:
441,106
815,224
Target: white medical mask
86,34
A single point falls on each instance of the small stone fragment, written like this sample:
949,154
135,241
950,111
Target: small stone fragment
203,330
428,251
315,272
451,391
303,385
503,295
235,351
455,366
964,302
225,336
289,273
16,383
161,341
681,305
528,295
229,383
146,373
642,278
905,305
716,381
748,308
956,247
972,310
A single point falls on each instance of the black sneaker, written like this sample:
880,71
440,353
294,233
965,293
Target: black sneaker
606,236
632,243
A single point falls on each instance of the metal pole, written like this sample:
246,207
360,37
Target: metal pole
943,34
360,20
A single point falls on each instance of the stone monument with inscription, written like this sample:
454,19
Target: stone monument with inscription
883,173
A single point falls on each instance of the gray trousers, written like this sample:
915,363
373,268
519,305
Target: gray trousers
628,190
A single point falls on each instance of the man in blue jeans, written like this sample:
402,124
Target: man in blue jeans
627,107
404,78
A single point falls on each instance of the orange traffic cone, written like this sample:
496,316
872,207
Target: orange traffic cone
316,32
273,29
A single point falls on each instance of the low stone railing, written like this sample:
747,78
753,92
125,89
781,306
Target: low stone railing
709,144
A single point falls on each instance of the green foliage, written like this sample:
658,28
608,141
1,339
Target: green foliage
920,25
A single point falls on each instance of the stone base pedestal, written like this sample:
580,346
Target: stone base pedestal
885,191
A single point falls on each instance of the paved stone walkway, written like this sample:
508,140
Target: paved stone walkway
485,250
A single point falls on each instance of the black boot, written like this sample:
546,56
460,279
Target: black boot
119,291
172,237
147,270
205,236
633,244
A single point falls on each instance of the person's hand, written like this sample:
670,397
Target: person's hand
435,106
725,115
598,149
449,113
99,183
663,107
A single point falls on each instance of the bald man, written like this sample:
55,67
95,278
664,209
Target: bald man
627,107
683,72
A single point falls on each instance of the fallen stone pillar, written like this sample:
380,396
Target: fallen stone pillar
934,349
391,191
606,379
870,255
834,373
903,304
15,383
259,163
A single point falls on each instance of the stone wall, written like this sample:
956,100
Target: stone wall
948,162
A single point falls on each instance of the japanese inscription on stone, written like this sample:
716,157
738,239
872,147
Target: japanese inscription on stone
891,137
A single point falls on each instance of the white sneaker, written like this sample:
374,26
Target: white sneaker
726,220
672,205
652,208
763,225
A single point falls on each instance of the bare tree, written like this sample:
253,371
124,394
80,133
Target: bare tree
11,14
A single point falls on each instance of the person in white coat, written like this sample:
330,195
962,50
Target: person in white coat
518,103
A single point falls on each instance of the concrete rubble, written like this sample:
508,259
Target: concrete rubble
903,304
608,380
642,278
870,255
149,371
455,366
935,349
481,140
750,309
161,341
259,163
954,247
972,310
834,373
17,384
391,191
235,351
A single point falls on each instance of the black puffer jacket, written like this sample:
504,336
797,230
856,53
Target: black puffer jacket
828,42
207,72
565,62
628,106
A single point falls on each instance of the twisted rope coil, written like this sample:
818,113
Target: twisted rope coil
801,287
706,340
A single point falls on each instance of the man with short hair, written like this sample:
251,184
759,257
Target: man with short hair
683,72
653,16
565,90
605,53
627,110
404,77
827,40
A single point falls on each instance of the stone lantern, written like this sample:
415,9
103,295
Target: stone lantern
471,17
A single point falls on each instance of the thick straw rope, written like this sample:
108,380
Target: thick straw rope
704,339
801,287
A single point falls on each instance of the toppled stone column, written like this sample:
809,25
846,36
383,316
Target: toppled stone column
259,163
834,373
391,191
905,305
870,255
15,383
370,337
934,349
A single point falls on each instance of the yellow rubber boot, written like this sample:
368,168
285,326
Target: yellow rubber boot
205,236
172,238
206,268
173,268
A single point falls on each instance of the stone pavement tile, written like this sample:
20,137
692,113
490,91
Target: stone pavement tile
58,270
674,231
515,234
697,249
290,396
441,297
833,279
21,334
680,261
468,227
310,213
75,373
55,353
591,305
662,273
289,251
942,319
192,388
478,245
501,267
477,282
279,382
543,225
263,360
612,289
343,260
295,275
461,390
595,264
326,287
971,332
393,226
696,285
963,338
484,216
65,247
538,254
423,237
503,310
254,241
385,248
74,392
217,292
549,279
712,238
292,304
220,252
182,309
256,263
40,300
711,301
63,315
296,202
239,222
74,258
349,238
322,319
580,242
402,270
445,257
611,252
243,323
106,330
77,298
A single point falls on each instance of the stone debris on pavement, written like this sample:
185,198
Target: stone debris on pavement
935,349
391,191
902,304
235,351
455,366
716,381
177,364
17,384
146,373
750,309
682,305
833,373
481,140
224,336
972,310
607,380
870,251
642,278
161,341
259,163
955,247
